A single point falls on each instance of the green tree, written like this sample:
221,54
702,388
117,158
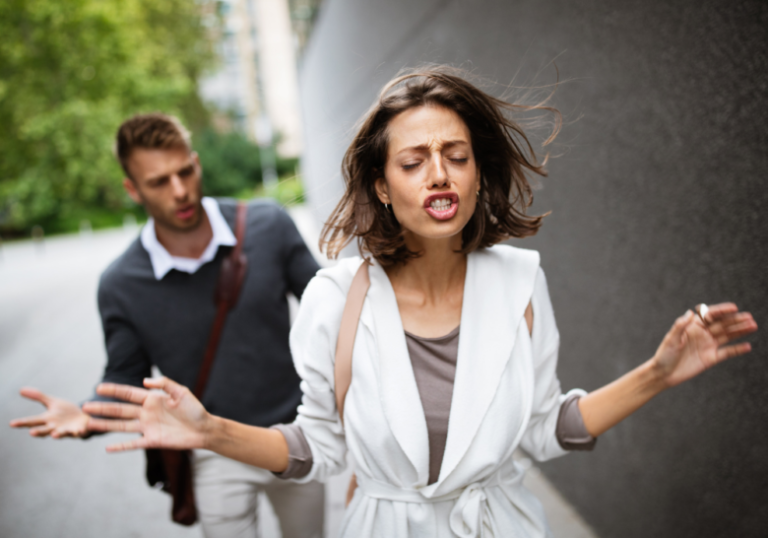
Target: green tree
232,164
70,72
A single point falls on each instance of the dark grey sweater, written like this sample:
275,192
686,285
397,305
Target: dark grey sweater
167,322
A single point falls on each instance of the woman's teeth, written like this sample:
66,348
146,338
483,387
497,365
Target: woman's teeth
441,204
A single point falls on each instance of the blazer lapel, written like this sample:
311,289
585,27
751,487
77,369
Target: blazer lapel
400,394
497,290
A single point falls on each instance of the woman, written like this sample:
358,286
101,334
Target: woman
456,348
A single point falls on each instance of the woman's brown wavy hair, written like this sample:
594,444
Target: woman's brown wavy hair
502,151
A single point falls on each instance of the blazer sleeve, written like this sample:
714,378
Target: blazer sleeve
313,343
540,438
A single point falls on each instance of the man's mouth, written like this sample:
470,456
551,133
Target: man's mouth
186,212
442,206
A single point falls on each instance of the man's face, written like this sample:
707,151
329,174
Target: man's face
167,182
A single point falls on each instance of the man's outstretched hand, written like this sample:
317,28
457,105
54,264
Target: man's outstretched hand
61,418
167,418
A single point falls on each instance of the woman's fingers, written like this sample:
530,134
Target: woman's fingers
129,445
738,331
731,326
172,388
681,323
108,409
728,352
122,392
715,312
28,422
107,425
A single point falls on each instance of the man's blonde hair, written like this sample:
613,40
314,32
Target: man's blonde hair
149,131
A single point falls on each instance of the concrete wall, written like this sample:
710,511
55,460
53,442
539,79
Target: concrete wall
656,202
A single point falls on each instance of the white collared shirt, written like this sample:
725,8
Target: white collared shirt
161,259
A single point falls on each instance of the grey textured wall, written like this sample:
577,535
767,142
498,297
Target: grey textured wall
656,205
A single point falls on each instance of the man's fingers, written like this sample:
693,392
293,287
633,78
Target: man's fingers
172,388
122,392
60,433
28,422
728,352
109,409
40,431
128,445
106,425
34,394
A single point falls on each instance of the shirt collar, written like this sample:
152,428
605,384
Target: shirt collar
161,259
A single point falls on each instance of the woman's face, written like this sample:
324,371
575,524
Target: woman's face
430,177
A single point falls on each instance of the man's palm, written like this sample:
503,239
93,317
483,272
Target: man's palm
61,418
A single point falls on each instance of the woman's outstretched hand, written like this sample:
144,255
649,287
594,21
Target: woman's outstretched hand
173,418
692,345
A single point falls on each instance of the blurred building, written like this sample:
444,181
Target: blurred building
256,85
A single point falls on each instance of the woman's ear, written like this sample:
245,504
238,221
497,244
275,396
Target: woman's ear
382,190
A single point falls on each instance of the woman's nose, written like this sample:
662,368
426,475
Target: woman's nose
439,175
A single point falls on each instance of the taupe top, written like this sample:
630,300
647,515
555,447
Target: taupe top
434,367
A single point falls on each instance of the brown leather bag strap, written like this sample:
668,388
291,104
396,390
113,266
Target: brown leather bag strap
230,281
342,371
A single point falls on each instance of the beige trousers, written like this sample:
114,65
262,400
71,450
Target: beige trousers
226,493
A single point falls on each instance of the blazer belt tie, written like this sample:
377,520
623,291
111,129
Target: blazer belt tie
466,518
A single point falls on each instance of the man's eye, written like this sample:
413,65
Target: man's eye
410,166
186,172
459,159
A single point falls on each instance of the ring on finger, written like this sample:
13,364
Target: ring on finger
701,310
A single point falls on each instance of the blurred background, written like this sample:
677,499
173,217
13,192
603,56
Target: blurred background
656,189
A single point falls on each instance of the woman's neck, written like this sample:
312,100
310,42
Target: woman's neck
438,273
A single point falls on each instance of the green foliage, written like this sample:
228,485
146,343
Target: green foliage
98,217
287,192
70,72
232,164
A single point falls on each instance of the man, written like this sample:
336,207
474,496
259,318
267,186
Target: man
157,309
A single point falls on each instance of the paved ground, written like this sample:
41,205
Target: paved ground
50,338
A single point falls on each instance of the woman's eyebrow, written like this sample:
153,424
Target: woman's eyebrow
425,147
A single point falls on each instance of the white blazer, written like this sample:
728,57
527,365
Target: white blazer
506,394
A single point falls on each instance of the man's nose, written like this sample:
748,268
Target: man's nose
177,187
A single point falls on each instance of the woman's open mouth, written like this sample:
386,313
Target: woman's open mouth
442,206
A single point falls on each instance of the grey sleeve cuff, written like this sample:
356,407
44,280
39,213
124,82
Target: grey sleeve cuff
571,432
299,454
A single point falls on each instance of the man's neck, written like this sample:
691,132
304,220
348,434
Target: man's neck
188,243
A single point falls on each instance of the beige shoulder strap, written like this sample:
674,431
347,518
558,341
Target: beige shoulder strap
346,342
